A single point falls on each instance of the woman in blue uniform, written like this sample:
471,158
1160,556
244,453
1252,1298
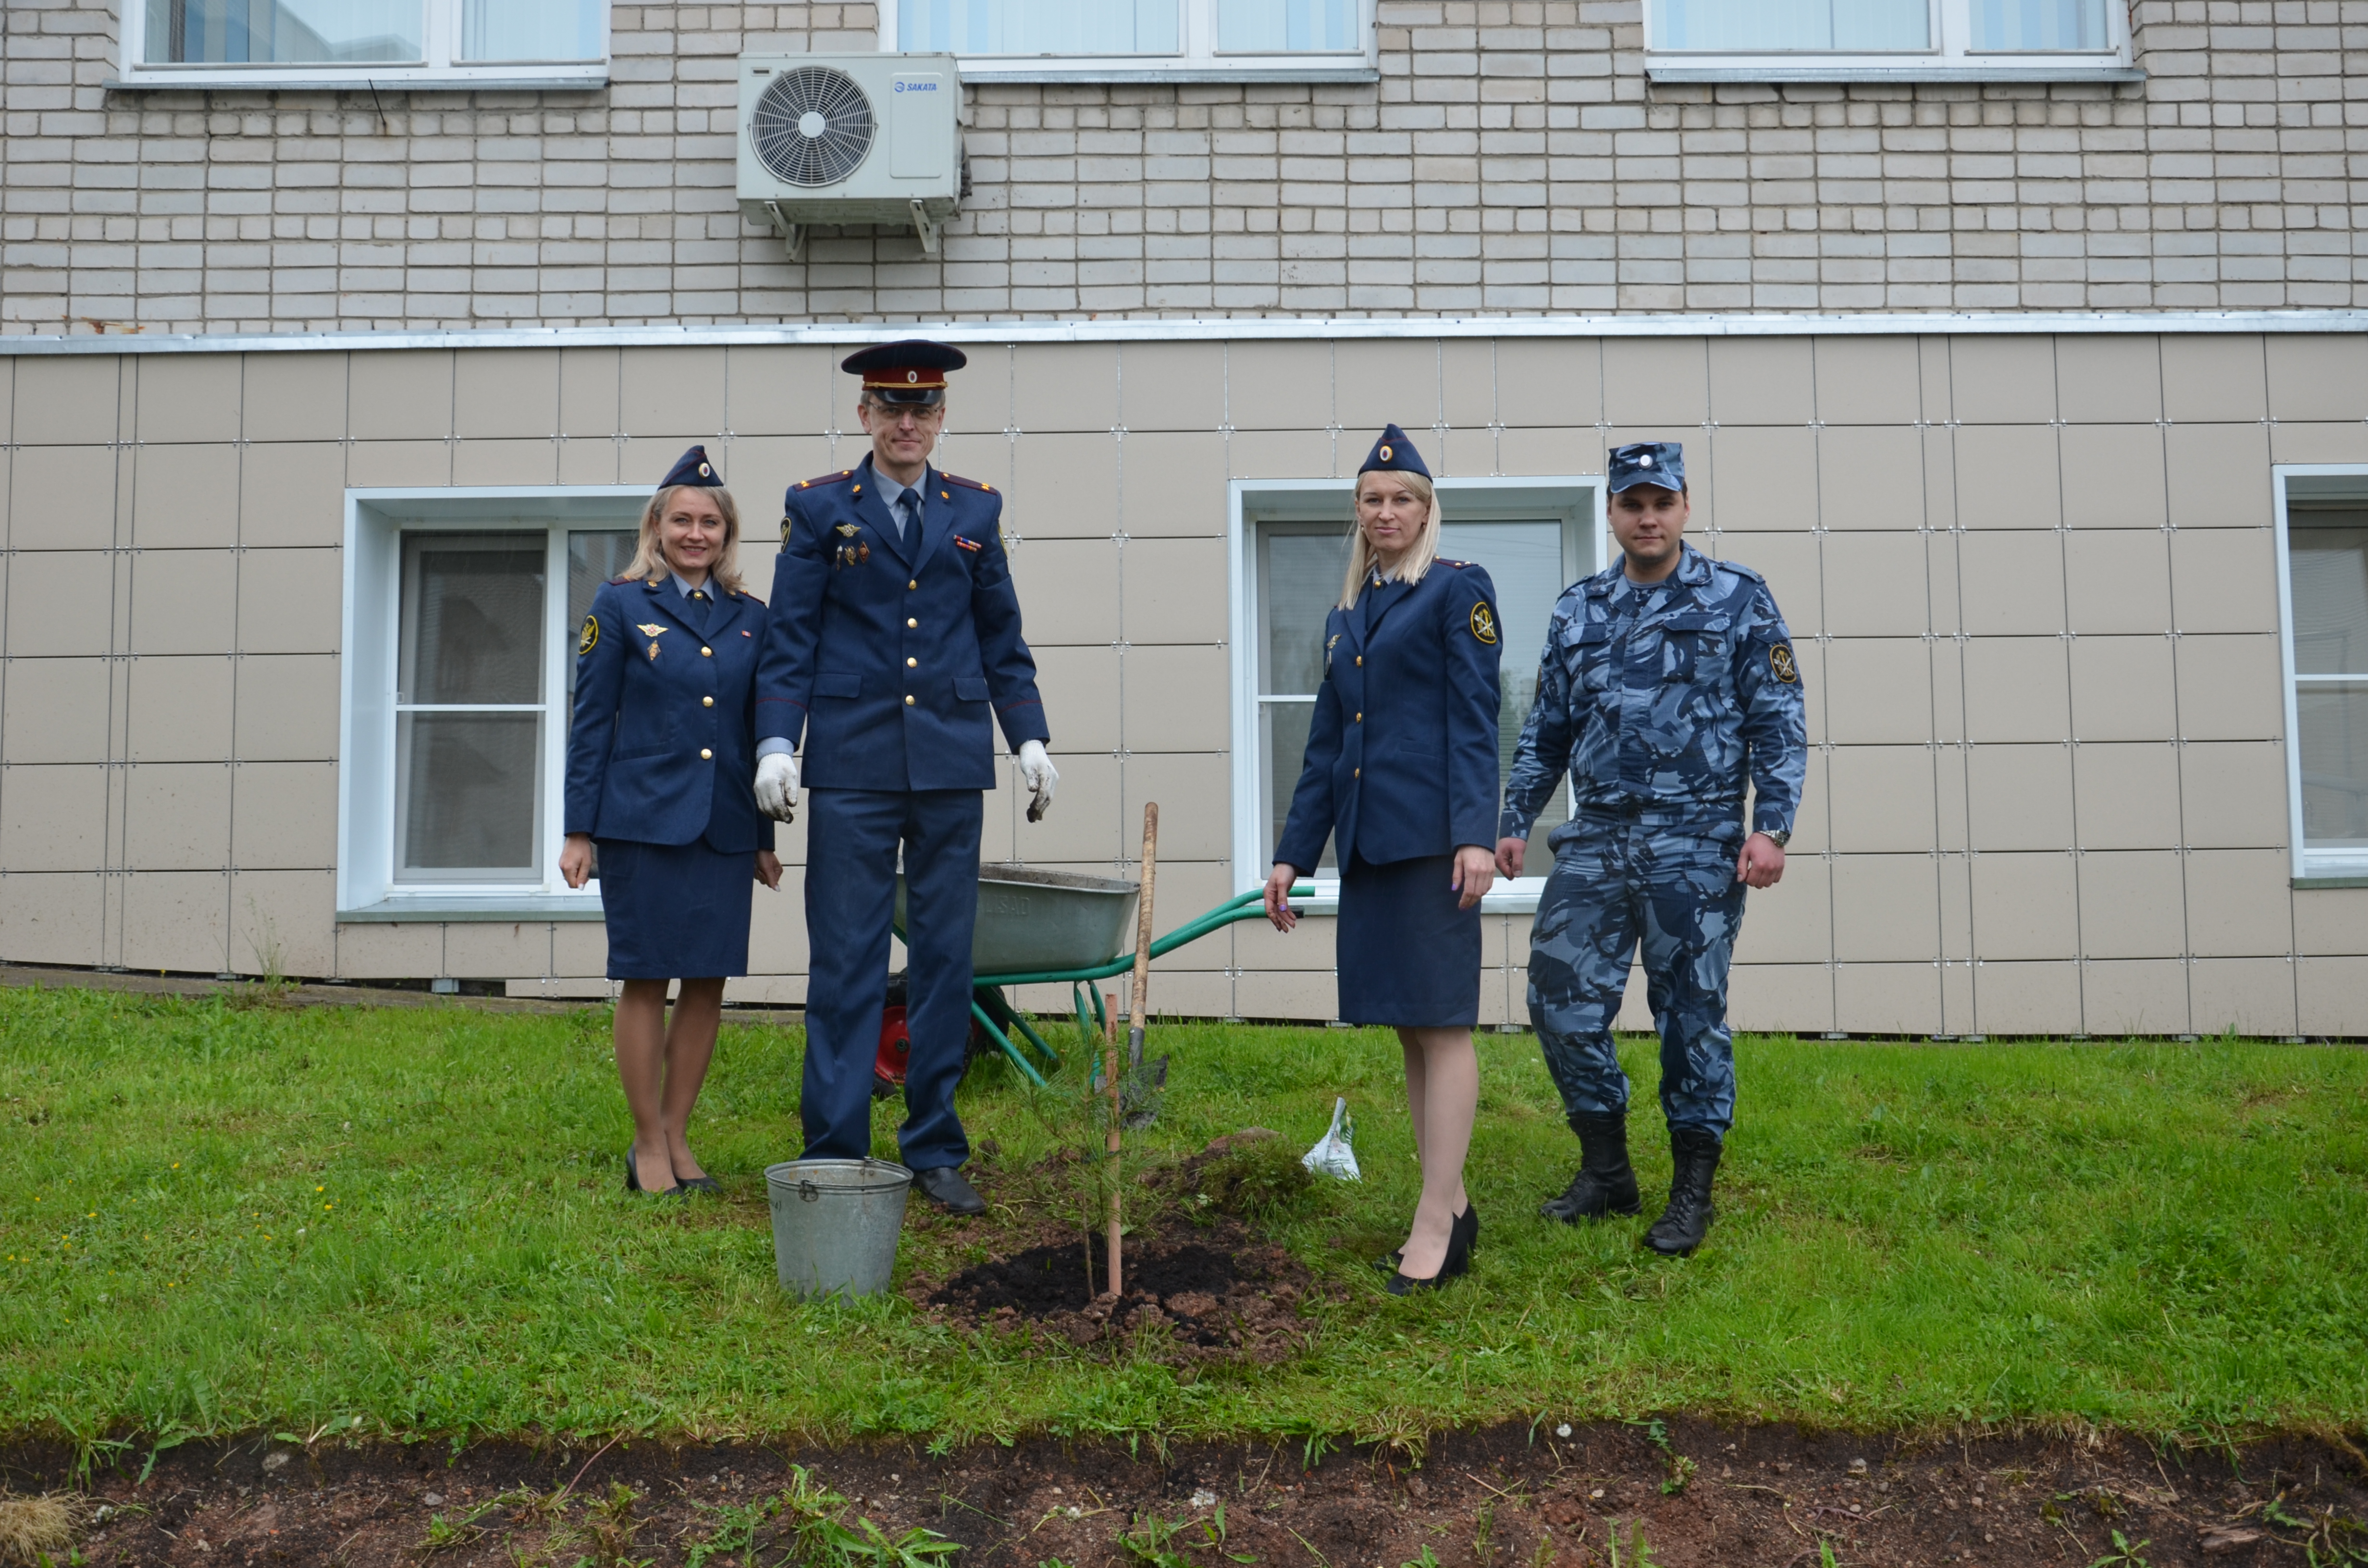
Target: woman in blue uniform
1402,773
659,758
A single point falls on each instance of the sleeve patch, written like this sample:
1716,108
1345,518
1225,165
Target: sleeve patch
590,637
1780,665
1483,623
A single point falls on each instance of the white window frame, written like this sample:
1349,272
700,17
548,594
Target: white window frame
2320,481
440,68
1199,59
1576,500
376,521
1952,59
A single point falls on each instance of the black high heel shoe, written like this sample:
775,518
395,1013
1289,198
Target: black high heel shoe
1464,1232
634,1180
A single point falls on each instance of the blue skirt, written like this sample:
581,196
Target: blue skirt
1408,957
676,911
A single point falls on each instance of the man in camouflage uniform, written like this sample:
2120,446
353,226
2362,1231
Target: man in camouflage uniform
1667,683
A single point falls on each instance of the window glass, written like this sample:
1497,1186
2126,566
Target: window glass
1279,26
276,32
472,618
469,717
527,30
1861,26
1300,574
1525,564
593,557
2006,24
1041,26
470,786
2326,550
1300,571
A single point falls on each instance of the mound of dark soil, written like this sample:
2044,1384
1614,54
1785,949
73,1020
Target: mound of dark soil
1214,1294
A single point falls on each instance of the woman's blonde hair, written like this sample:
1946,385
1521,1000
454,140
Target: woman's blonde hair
1418,555
649,556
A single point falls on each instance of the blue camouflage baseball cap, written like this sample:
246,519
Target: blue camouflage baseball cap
1648,462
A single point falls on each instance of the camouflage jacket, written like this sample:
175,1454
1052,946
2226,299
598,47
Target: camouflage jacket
1663,701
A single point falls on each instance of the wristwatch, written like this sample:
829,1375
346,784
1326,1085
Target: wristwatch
1779,838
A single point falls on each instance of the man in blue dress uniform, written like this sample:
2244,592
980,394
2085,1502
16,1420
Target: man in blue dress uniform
1666,684
893,647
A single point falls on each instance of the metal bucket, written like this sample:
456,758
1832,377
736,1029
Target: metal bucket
835,1224
1031,920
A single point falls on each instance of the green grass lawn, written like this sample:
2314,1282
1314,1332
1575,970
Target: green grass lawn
220,1219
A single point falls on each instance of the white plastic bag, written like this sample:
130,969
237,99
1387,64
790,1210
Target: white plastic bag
1335,1153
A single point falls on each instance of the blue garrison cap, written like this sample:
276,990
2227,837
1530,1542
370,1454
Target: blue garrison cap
1648,462
693,468
1394,453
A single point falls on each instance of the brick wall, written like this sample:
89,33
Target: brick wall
1512,159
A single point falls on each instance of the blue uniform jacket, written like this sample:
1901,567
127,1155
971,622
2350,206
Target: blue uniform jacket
888,657
663,746
1665,701
1401,752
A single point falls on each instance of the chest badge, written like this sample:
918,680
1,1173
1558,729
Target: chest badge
849,530
1483,623
1780,665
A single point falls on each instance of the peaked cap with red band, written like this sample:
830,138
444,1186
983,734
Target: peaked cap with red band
913,371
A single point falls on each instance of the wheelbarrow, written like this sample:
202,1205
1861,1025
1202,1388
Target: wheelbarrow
1040,927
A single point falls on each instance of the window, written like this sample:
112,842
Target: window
1290,539
459,678
2322,552
1927,40
183,44
1139,40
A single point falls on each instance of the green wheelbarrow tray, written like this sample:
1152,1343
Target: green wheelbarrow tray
1015,917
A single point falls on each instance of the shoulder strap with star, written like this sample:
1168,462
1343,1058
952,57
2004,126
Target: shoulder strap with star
838,477
966,483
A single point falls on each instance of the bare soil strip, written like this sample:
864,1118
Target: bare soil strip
1683,1494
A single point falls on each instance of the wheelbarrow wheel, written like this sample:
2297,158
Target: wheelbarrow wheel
894,1054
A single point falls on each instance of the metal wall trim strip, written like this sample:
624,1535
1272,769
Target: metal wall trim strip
1209,330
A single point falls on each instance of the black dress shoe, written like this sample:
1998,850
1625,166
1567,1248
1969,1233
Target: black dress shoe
1463,1231
634,1180
1406,1285
706,1184
944,1186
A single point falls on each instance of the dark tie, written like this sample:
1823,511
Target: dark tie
908,514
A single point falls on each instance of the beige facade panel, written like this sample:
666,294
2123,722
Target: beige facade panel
2000,834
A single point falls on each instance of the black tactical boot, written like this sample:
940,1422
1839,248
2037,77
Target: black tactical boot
1605,1183
1693,1160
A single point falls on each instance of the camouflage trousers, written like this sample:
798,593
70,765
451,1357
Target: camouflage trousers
1616,888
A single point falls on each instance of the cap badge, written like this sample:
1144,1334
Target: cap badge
705,471
1644,461
1386,453
912,376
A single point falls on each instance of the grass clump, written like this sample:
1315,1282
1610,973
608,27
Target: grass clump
35,1530
1256,1179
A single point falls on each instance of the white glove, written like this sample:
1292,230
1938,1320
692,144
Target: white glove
777,786
1036,768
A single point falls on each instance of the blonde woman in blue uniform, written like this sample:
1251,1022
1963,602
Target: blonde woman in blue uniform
1401,773
658,763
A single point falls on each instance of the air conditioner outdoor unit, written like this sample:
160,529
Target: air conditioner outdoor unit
850,139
